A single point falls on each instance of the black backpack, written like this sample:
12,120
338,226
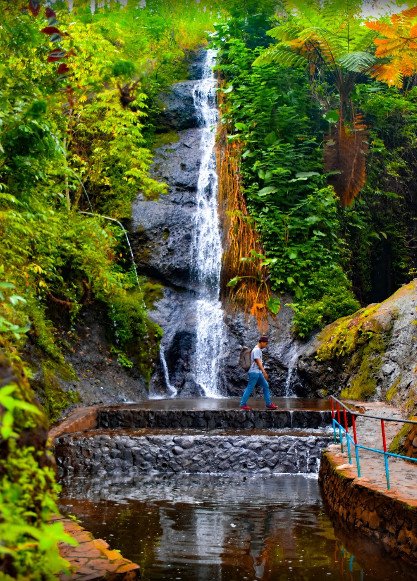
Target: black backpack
244,358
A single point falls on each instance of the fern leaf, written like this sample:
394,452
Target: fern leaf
357,62
280,55
410,12
381,27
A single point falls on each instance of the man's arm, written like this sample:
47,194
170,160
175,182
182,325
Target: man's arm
261,367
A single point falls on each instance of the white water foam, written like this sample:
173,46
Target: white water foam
207,243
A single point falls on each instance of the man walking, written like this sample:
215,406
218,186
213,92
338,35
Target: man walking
257,376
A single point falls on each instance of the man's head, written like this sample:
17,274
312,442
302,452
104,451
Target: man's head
263,341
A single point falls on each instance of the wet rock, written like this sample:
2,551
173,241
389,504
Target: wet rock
369,355
210,419
163,246
177,108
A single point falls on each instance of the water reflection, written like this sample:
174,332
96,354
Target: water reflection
216,529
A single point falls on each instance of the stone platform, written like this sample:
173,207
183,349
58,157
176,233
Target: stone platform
213,414
195,436
202,413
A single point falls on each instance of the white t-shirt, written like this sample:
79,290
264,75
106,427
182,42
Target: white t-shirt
255,354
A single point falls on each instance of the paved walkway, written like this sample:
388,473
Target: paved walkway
403,474
92,559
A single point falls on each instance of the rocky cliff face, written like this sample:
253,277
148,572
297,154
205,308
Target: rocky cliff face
368,355
162,235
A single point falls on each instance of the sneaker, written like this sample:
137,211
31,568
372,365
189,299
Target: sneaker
271,406
245,407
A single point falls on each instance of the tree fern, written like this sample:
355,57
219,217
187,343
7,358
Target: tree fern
358,61
334,27
330,37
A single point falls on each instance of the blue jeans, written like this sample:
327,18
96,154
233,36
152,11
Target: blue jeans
256,378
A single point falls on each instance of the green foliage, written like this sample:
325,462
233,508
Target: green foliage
67,143
28,494
28,497
381,225
135,335
277,125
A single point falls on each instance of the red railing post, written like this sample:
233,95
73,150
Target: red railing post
384,440
340,426
333,419
384,443
347,434
355,439
345,420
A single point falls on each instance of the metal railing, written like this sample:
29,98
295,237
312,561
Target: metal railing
344,418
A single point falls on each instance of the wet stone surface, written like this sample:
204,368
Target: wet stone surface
211,419
107,453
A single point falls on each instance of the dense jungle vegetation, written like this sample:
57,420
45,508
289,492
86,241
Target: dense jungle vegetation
323,130
321,121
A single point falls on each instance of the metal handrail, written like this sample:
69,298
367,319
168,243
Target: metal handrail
337,408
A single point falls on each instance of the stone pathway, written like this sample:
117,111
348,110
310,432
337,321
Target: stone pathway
403,474
92,559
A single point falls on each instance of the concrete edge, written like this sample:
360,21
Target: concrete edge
83,418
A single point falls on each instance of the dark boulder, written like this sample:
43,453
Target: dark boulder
162,241
178,111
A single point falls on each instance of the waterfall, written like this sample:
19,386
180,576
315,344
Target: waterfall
292,364
207,245
171,388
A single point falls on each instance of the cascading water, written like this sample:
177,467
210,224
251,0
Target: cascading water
207,246
292,358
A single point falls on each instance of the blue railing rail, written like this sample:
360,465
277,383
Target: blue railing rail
344,417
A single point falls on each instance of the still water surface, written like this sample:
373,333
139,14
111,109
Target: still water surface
217,528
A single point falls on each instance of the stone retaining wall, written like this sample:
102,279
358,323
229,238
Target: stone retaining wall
211,419
366,508
106,453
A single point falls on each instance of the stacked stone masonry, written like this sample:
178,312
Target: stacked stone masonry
136,417
110,452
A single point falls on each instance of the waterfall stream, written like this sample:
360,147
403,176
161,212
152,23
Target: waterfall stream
207,246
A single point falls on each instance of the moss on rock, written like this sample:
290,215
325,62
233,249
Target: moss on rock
358,342
55,400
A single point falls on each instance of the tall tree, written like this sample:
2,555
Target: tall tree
330,39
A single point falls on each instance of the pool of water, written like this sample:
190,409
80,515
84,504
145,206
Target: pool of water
218,528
